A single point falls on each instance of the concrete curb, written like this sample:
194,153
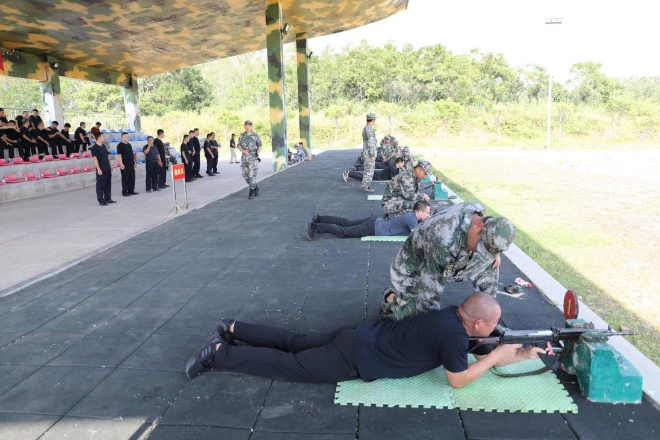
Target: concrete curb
555,292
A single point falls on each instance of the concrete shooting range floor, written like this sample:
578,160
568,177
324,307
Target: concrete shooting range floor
98,350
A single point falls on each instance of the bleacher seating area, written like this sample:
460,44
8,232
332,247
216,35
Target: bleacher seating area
20,179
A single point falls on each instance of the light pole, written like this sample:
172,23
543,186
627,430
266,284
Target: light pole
547,141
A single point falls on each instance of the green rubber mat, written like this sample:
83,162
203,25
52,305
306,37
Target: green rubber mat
385,238
540,393
375,197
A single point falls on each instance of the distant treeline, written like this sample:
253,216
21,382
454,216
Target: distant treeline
430,95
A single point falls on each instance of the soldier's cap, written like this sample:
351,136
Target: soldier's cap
498,234
406,149
248,122
425,165
370,117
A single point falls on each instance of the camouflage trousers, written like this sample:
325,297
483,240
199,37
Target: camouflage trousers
249,170
394,207
369,168
408,300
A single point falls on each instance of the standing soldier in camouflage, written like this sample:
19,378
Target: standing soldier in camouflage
369,147
403,190
249,143
458,242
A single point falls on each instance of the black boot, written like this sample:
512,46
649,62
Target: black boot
251,195
256,191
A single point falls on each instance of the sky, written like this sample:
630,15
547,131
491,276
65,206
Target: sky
623,36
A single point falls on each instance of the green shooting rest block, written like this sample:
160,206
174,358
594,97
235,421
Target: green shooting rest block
603,374
374,197
439,193
385,238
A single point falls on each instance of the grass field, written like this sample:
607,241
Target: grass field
590,217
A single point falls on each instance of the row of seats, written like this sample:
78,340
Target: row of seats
30,177
130,139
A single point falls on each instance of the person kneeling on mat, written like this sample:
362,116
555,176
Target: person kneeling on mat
369,350
344,228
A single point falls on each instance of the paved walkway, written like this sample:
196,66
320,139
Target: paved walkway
98,350
43,234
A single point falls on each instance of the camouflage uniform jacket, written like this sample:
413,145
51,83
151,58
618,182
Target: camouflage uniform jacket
388,149
405,187
249,143
409,162
437,251
369,145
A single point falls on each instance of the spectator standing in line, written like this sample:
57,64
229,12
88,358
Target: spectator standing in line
80,138
28,144
208,155
100,155
197,154
215,148
232,149
162,171
153,164
35,119
127,164
186,156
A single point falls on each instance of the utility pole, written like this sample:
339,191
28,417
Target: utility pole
547,141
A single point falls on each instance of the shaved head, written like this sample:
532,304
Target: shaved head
480,306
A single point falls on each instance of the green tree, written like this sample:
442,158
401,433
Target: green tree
335,113
390,111
590,85
227,121
180,89
447,111
498,110
616,107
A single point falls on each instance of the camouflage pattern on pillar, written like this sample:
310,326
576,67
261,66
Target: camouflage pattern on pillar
274,49
303,93
132,105
50,93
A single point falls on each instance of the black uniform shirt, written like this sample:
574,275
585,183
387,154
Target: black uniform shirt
194,143
126,152
411,346
207,144
35,120
19,121
43,133
101,154
25,131
161,149
51,131
78,132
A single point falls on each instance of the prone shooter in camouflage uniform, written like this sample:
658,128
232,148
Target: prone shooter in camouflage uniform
369,147
403,190
250,145
458,242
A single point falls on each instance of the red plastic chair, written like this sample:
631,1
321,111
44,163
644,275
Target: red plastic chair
31,177
75,170
13,179
2,181
35,159
87,154
19,161
88,169
48,175
63,157
50,157
4,163
75,156
62,172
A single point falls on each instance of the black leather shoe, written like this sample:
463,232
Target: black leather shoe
256,191
310,231
134,193
203,358
222,327
251,195
316,218
126,194
110,201
103,204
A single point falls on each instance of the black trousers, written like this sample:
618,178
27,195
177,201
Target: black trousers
209,164
25,150
128,179
43,148
78,144
381,165
56,147
162,173
70,148
344,228
384,174
196,164
189,170
152,175
215,163
279,354
104,186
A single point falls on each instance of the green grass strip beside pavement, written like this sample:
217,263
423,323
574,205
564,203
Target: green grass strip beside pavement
647,338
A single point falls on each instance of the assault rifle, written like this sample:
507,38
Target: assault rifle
540,338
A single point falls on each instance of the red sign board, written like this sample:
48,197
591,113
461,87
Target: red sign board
178,171
571,308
